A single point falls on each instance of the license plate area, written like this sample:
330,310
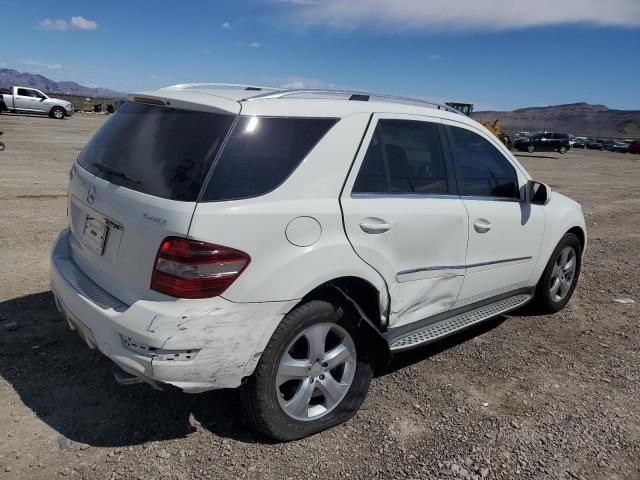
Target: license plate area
94,234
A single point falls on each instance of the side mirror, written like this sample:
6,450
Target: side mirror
538,193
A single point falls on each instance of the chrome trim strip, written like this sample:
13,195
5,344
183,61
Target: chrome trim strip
375,196
462,267
433,195
491,199
482,264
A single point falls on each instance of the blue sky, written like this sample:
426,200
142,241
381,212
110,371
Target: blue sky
500,54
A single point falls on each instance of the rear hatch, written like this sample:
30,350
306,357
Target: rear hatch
137,182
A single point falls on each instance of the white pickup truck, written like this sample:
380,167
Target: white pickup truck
30,100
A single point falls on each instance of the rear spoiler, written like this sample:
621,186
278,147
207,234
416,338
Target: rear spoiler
187,100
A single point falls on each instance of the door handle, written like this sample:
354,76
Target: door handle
374,225
482,226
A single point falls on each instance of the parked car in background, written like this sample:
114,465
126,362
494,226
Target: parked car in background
545,142
596,144
621,147
580,142
31,100
287,242
520,136
634,147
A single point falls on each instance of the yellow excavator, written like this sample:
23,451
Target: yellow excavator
495,127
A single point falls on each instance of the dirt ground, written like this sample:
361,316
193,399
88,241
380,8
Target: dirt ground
520,397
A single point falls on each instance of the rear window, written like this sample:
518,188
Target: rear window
261,153
160,151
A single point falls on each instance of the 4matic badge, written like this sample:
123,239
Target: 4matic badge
158,220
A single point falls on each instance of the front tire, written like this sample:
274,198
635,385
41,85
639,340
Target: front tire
314,374
562,150
57,113
560,276
531,149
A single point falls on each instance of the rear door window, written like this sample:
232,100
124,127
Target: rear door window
481,168
261,153
404,156
160,151
372,177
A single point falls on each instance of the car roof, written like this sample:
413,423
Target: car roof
268,101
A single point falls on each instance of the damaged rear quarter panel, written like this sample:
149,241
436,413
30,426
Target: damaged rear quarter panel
230,337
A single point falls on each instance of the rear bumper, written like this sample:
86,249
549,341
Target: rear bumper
195,345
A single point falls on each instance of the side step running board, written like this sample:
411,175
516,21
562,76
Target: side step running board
448,326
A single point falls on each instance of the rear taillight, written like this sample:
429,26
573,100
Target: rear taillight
190,269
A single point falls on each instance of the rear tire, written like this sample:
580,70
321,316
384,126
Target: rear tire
562,150
269,401
531,149
560,276
57,113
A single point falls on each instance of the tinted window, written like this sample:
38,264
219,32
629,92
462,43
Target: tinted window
482,169
371,177
413,156
23,92
261,153
156,150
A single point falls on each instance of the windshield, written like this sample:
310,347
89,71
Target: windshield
160,151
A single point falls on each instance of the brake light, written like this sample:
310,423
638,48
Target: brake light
190,269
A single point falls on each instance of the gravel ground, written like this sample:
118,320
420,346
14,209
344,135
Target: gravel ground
519,397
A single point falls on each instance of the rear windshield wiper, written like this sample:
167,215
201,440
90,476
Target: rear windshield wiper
114,171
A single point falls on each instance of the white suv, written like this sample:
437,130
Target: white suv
289,241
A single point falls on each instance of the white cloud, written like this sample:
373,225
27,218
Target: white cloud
434,57
255,44
75,23
82,23
305,82
296,84
48,24
226,25
35,63
461,15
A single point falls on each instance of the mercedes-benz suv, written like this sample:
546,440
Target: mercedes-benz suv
288,242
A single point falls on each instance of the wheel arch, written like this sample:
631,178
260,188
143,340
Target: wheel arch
581,234
359,290
362,301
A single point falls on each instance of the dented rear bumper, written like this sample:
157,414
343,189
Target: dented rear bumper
195,345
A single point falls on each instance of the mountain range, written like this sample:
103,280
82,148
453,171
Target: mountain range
9,78
580,119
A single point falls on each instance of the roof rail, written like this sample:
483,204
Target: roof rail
186,86
355,95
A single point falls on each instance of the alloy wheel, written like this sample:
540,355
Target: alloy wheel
316,371
563,273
